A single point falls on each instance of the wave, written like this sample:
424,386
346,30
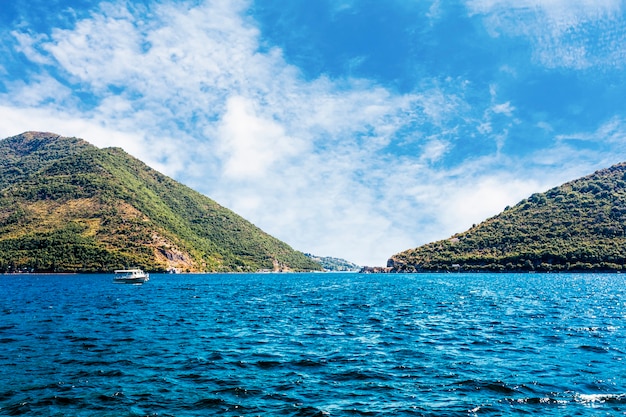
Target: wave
600,398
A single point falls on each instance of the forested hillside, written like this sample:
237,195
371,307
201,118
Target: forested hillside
579,226
330,263
68,206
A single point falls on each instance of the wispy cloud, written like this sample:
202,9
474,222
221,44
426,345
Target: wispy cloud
187,90
563,32
335,166
613,133
251,145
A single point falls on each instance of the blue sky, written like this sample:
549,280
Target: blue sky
348,128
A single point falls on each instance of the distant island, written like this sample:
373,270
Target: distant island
331,264
579,226
68,206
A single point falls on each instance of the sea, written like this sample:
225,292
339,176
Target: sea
323,344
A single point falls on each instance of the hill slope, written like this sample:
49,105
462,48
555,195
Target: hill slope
67,206
334,264
579,226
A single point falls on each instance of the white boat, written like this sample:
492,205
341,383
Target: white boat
130,276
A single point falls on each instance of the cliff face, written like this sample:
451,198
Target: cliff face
578,226
66,205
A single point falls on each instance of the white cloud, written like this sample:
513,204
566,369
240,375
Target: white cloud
89,55
187,91
25,45
250,144
50,119
185,88
164,155
504,108
545,126
434,11
564,33
612,132
484,197
434,150
40,90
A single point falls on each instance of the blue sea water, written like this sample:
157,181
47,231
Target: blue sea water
313,345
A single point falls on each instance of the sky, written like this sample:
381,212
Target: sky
347,128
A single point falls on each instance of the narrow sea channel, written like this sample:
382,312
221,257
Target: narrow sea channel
314,345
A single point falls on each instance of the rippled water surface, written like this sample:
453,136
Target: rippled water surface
313,345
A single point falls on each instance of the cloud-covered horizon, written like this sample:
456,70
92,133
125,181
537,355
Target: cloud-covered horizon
344,131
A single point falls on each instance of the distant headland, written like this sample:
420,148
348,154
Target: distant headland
579,226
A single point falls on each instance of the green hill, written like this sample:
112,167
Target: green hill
579,226
68,206
334,264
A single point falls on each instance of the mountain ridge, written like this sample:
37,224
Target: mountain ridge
68,206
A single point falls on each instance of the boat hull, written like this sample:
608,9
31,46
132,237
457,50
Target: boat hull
130,276
130,280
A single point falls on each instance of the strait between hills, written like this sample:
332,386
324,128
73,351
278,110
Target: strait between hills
68,206
579,226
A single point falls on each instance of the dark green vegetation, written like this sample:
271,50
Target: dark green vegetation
334,264
579,226
67,206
